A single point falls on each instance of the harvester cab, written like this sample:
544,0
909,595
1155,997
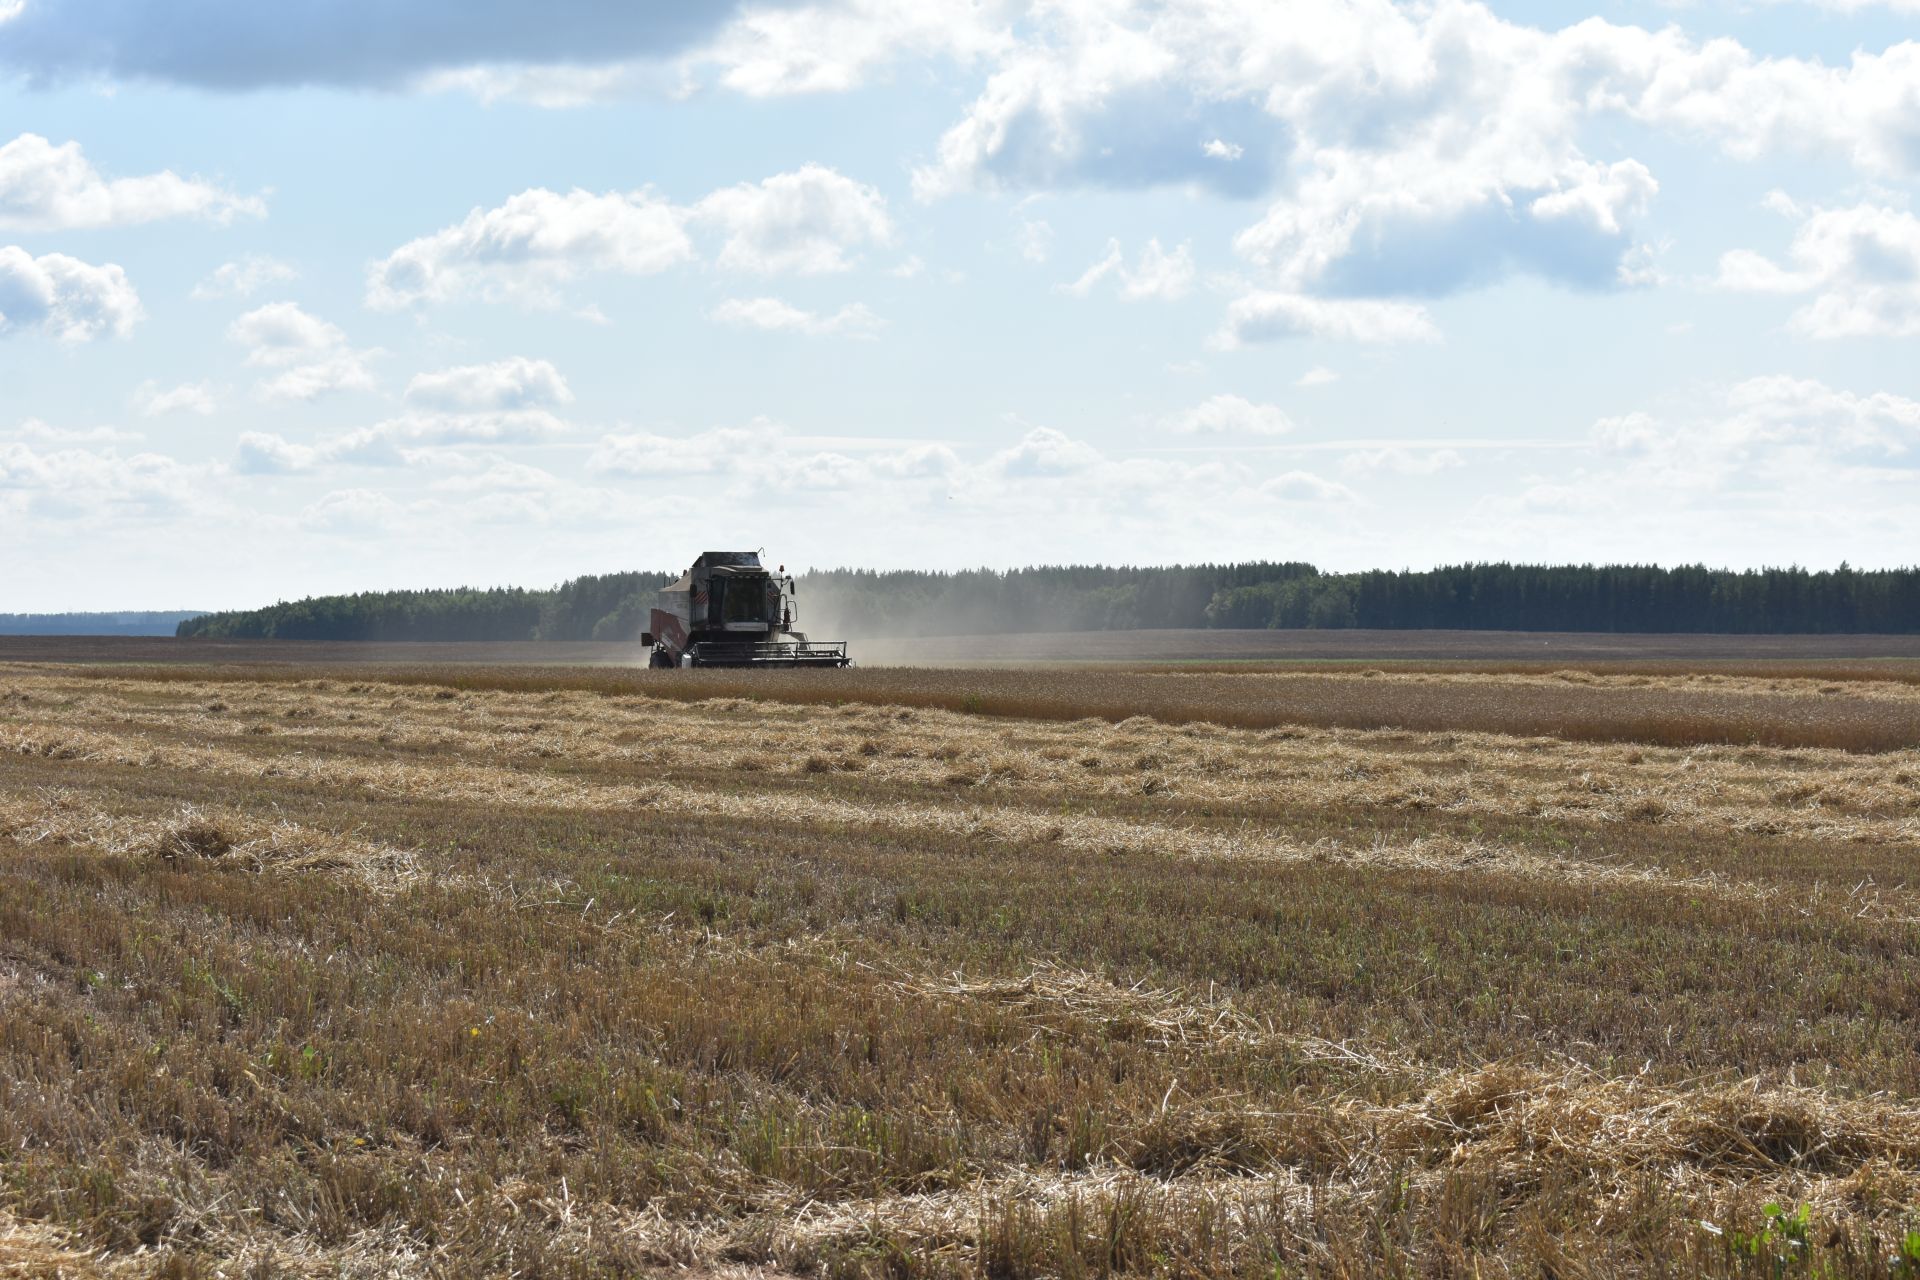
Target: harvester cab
728,610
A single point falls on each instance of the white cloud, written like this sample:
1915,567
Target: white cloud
1318,376
506,426
353,511
1265,317
1402,461
244,278
1044,451
1771,433
71,300
150,400
1421,150
647,455
916,462
1861,264
1157,275
1770,470
34,429
44,187
409,438
78,483
816,48
1134,95
311,354
1232,415
499,475
1381,225
263,453
514,383
342,371
1305,486
530,245
805,222
280,333
778,316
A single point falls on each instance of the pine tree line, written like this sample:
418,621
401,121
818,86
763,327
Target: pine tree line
862,602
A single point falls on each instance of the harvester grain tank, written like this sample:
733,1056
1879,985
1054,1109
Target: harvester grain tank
729,611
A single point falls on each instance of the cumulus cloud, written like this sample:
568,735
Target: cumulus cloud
235,44
528,246
312,355
262,453
497,475
1318,376
1417,150
775,315
64,297
514,383
78,483
1138,95
764,457
151,400
1157,275
1044,451
409,438
1861,266
1765,434
1269,316
647,454
244,278
1430,230
1305,486
814,48
353,511
805,222
44,187
1232,415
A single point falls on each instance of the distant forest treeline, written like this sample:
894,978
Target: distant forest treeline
132,623
841,602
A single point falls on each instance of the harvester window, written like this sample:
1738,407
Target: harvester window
742,599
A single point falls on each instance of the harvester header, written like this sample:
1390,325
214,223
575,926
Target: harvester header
728,610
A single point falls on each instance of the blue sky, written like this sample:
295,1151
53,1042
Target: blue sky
326,297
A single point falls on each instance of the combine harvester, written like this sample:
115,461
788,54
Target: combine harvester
728,611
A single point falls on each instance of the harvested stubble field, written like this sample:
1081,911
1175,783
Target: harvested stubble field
540,972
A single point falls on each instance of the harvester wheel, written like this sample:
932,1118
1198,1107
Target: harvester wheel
660,659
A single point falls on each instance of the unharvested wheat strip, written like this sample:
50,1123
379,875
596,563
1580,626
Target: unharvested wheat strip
459,781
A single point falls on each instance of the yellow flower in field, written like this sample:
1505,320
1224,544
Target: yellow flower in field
474,1031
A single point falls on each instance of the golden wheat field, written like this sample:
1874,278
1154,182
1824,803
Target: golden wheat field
1596,970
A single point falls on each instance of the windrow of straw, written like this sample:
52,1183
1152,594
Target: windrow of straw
197,835
516,788
1826,795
